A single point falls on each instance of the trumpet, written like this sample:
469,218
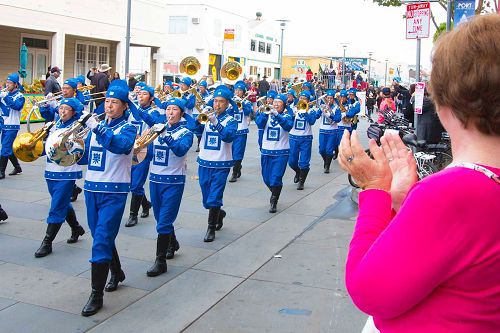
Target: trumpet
303,106
203,117
140,149
29,146
265,109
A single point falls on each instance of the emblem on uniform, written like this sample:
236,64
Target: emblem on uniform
97,159
273,134
300,124
212,141
160,156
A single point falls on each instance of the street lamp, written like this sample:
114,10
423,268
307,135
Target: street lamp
282,26
369,65
344,45
385,84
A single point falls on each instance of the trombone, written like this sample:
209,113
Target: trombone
140,149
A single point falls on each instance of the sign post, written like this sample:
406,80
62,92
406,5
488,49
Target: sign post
418,26
419,97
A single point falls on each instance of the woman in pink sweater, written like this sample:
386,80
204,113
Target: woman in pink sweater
387,105
425,256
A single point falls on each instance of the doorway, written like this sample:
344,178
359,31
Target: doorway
37,65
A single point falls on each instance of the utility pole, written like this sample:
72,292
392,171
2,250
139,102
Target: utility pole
127,37
448,15
385,84
369,65
344,45
282,25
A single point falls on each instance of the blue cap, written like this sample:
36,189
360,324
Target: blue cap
353,91
118,89
308,85
74,103
187,81
343,93
386,91
81,79
306,94
224,92
73,83
240,85
203,84
281,97
169,83
330,92
272,94
14,78
397,79
181,103
139,84
291,92
149,89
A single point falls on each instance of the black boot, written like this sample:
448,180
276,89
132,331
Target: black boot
3,165
297,175
172,247
3,214
236,171
302,178
275,195
117,275
76,229
198,148
17,168
213,216
99,276
324,161
328,163
135,204
160,265
50,235
222,215
336,153
146,206
76,191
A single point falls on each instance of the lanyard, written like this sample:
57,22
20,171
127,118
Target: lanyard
488,173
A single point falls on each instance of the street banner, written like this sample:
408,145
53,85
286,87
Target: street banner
418,20
464,10
362,101
229,34
419,96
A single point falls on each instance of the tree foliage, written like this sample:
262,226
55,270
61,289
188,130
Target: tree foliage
441,28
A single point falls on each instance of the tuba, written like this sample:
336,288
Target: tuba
140,149
190,66
29,146
231,72
297,87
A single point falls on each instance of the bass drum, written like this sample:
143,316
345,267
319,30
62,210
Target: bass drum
64,153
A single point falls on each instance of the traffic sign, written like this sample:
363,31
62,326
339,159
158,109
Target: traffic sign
418,20
228,34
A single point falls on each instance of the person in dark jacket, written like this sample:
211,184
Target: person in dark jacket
131,82
429,127
264,86
51,85
100,81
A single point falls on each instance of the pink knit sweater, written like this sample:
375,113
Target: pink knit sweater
435,265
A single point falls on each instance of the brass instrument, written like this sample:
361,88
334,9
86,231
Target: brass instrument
297,87
66,146
303,106
231,72
190,66
261,100
29,146
203,117
140,149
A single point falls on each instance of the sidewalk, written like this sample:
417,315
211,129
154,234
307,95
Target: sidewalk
264,272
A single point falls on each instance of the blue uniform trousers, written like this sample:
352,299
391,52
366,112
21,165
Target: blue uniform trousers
239,145
104,214
212,183
139,176
273,169
328,142
261,135
60,192
8,137
300,153
166,200
198,130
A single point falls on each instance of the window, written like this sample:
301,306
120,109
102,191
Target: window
177,25
90,55
267,71
268,48
36,42
252,44
262,47
253,70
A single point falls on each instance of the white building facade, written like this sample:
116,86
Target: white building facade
78,35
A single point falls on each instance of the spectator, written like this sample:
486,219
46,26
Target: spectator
116,76
386,105
51,85
100,82
91,73
47,75
131,81
264,86
429,126
309,74
424,255
274,85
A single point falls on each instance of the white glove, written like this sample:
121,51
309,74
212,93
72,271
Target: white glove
3,94
158,128
89,121
207,109
273,112
49,95
53,104
212,118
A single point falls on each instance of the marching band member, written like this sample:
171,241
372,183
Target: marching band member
133,95
271,94
166,182
206,96
328,130
307,86
107,182
349,110
84,98
11,104
301,141
142,117
291,98
50,110
190,98
354,107
60,181
203,91
241,116
275,146
215,158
